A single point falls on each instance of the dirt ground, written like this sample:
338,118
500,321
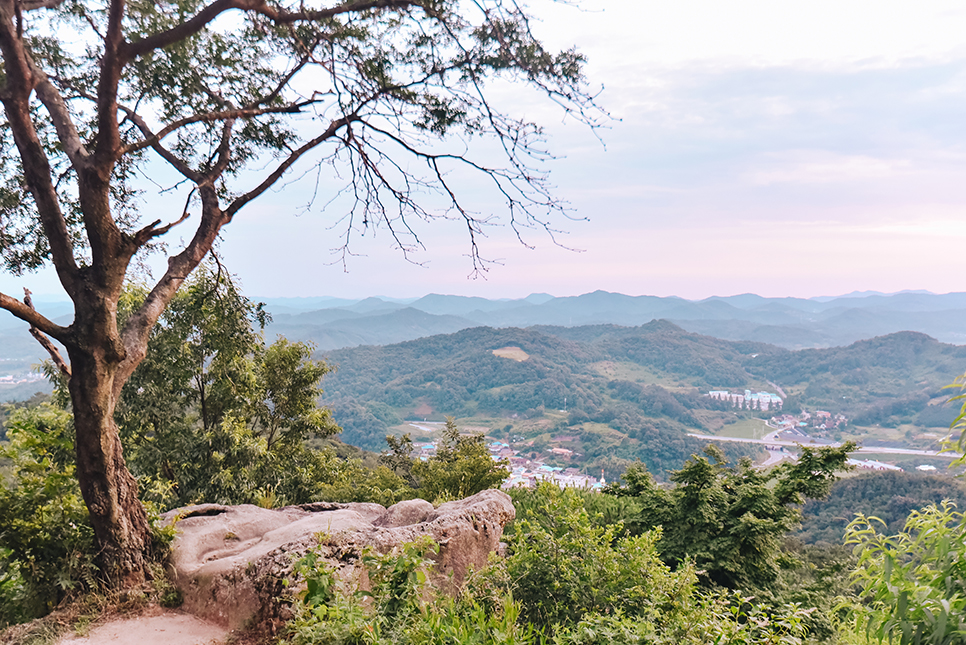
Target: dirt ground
159,627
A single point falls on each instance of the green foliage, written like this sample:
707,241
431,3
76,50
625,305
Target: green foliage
587,582
720,619
959,423
46,541
401,607
566,582
817,577
200,356
915,581
461,467
284,406
213,414
730,520
562,567
6,409
231,464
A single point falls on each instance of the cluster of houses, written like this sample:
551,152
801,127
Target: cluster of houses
749,400
818,420
529,472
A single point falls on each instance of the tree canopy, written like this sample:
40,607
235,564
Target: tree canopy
213,413
731,520
231,96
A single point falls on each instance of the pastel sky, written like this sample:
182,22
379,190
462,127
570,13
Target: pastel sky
768,146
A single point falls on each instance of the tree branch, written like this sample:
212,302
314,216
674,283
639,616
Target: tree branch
31,5
223,151
151,231
329,132
60,116
112,64
166,154
139,325
45,342
28,314
20,81
200,20
208,117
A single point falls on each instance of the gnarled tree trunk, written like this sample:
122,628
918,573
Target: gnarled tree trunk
110,491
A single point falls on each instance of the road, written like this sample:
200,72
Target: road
868,450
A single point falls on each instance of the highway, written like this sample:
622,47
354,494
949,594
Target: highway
806,442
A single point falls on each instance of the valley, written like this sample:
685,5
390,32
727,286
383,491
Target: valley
580,383
598,398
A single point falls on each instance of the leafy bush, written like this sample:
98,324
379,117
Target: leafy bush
46,541
566,581
561,566
915,580
723,619
400,609
461,467
731,520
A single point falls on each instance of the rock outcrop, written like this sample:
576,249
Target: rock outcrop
229,562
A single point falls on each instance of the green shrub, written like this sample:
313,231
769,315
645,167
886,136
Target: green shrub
400,609
562,566
566,582
724,619
46,541
461,467
915,581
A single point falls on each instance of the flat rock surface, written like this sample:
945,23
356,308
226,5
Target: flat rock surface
233,564
166,628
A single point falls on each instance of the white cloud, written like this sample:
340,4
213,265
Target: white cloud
819,167
880,33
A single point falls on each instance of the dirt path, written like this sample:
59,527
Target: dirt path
167,627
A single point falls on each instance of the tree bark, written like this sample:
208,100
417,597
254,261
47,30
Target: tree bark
120,523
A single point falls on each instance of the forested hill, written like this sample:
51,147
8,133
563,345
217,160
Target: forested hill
885,380
623,393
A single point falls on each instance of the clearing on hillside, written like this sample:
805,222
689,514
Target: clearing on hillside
513,353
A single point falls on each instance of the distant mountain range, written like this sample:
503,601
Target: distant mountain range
793,323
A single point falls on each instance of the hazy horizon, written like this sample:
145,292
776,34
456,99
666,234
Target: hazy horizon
779,149
54,298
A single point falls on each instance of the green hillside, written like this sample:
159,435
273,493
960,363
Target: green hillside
556,397
616,394
887,380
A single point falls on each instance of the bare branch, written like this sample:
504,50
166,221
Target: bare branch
36,320
166,154
151,231
208,117
329,132
45,342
